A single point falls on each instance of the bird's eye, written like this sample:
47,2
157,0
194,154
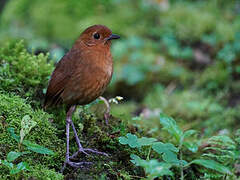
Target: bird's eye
96,36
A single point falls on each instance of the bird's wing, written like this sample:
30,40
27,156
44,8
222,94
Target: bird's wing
60,76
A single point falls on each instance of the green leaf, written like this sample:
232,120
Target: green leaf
20,167
152,167
157,169
144,141
14,171
211,164
135,159
31,146
8,164
14,155
193,147
170,125
133,141
189,133
168,152
26,125
13,135
37,148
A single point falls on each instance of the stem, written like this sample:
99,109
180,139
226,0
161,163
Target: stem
181,166
149,151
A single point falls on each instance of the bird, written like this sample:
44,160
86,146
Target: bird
80,77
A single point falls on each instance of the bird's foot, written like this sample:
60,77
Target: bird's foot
87,151
75,164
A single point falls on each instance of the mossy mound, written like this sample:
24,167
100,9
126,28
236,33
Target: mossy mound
13,109
23,73
21,94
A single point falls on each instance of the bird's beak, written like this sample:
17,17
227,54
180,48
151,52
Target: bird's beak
113,36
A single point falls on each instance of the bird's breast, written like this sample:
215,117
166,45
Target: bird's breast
89,82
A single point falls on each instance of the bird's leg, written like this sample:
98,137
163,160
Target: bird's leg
80,148
107,112
68,122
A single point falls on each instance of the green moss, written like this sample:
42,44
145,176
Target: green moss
12,109
191,21
191,106
214,77
23,73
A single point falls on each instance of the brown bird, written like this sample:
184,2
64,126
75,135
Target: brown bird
80,77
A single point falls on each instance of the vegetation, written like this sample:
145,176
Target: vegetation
176,67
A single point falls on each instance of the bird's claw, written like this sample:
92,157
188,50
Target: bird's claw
75,164
85,150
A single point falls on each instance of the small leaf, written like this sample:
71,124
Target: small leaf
8,164
14,155
20,167
193,147
131,140
135,159
168,152
211,164
13,135
134,142
37,148
144,141
14,171
31,146
170,125
189,133
152,167
26,125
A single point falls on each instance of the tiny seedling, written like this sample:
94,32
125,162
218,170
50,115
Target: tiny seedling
26,125
15,168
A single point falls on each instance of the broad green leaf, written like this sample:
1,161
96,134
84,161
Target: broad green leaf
31,146
144,141
211,164
152,167
13,135
169,124
168,152
37,148
131,140
136,159
156,169
26,125
14,155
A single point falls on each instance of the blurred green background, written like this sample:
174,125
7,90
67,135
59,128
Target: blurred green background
180,57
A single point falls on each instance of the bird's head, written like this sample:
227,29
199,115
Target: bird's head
97,35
